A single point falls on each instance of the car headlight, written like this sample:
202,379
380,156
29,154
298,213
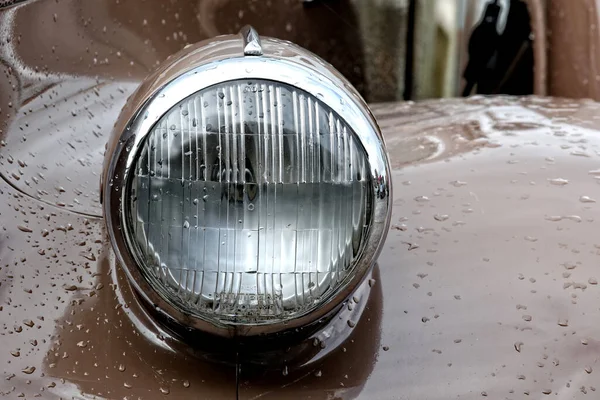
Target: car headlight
246,187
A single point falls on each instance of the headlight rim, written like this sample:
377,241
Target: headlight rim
281,62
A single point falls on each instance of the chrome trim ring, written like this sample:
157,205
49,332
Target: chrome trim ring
229,58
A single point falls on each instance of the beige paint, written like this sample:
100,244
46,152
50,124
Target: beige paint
495,209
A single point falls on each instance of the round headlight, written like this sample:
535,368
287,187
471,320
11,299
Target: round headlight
246,187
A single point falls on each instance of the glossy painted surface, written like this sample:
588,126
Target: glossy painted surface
490,272
492,249
487,284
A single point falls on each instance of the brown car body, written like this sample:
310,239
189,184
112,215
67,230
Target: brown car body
487,284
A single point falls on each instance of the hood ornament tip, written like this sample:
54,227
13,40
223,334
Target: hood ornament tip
252,45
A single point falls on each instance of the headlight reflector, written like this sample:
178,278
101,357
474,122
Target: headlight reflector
251,201
246,187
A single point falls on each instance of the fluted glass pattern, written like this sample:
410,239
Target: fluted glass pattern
250,202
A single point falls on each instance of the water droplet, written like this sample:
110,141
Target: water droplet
412,246
164,390
558,181
579,153
546,391
351,323
184,112
569,266
557,218
458,183
186,224
421,199
24,229
82,344
441,217
28,370
586,199
285,371
518,346
588,369
15,353
121,367
563,322
250,207
318,373
527,318
186,384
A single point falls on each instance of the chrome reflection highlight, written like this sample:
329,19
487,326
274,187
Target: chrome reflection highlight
251,201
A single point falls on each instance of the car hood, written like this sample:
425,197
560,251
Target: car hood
486,286
487,283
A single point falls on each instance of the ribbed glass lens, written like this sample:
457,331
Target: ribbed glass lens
250,203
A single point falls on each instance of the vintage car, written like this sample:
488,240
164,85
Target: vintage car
193,209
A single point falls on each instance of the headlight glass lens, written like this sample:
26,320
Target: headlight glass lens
250,202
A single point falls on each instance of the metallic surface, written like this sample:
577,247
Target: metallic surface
509,221
201,66
252,45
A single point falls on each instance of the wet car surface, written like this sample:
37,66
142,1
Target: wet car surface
492,257
486,287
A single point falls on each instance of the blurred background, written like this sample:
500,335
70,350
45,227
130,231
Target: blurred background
400,49
419,49
390,50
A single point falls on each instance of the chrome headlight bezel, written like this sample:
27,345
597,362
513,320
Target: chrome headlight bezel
230,58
